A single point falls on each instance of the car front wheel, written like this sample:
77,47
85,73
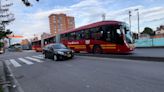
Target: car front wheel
45,56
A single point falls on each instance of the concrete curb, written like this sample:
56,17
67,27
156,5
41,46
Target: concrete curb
3,78
149,47
144,58
13,86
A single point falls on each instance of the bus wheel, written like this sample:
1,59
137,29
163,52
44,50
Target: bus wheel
97,49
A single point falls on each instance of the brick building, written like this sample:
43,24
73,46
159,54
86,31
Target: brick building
61,22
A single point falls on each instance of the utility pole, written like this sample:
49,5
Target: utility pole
103,16
138,18
130,19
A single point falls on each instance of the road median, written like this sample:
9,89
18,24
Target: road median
131,57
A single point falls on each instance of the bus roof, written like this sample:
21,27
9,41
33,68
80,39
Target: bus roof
96,24
36,41
49,37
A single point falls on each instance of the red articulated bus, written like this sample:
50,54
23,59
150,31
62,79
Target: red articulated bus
100,37
36,45
49,40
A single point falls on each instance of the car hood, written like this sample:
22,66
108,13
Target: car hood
63,50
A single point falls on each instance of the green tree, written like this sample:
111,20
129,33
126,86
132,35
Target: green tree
1,44
148,30
3,34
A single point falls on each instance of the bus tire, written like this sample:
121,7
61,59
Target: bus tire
97,49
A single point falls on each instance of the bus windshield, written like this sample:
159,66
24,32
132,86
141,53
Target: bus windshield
128,34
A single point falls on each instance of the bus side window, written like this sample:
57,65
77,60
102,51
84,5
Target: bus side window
92,31
78,35
108,36
54,39
64,37
96,33
69,36
110,31
82,34
72,36
99,33
87,34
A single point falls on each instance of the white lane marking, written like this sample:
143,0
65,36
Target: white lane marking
15,63
25,61
34,59
39,57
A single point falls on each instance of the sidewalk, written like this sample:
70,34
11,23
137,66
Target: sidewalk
1,70
1,74
132,57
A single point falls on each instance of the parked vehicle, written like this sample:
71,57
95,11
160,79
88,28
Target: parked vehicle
15,48
57,51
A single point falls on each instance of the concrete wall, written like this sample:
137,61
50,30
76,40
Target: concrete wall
149,42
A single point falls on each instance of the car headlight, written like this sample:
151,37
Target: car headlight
61,53
73,51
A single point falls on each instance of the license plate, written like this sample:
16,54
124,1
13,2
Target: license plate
69,55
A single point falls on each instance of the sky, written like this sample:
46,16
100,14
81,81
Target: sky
34,20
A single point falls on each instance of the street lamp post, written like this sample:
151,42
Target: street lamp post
130,19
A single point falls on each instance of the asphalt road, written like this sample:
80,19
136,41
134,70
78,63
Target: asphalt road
86,74
149,52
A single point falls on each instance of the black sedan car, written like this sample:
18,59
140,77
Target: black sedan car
57,51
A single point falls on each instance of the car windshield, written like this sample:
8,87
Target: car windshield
59,46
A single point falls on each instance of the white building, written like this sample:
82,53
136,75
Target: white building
160,30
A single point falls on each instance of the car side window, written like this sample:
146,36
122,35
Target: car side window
50,47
